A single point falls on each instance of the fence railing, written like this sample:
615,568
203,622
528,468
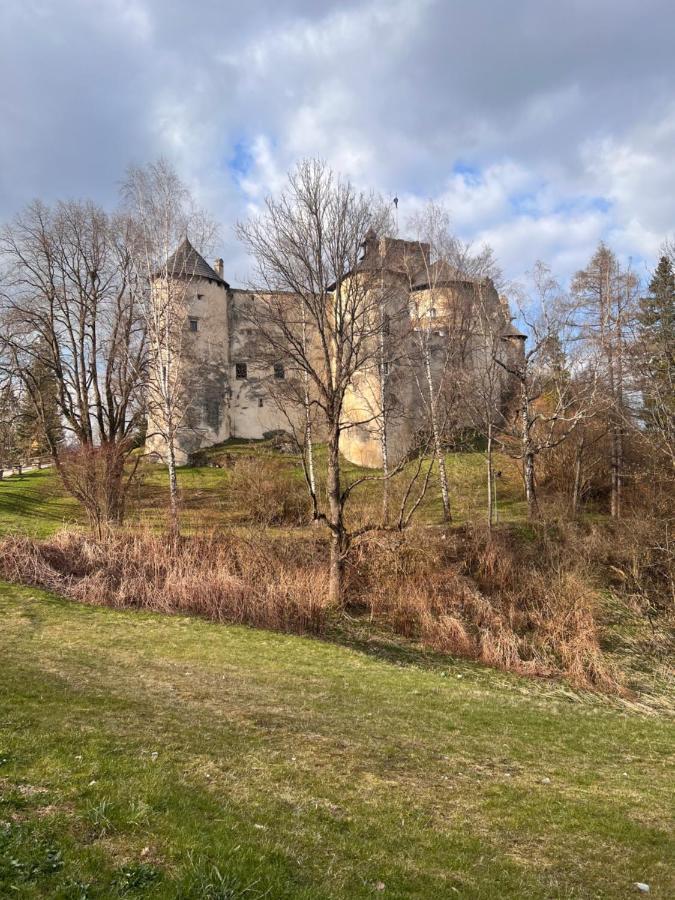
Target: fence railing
7,470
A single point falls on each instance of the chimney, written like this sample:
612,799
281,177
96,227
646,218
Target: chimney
219,267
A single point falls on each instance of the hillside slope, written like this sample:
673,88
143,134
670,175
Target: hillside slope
150,756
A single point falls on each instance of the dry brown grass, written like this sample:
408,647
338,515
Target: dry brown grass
522,600
269,492
498,598
247,580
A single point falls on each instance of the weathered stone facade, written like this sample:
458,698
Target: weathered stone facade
232,380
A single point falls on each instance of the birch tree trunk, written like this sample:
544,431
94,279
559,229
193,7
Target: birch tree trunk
528,454
576,487
438,444
385,423
490,476
309,446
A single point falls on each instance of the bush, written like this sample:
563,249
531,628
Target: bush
270,491
525,599
250,580
502,598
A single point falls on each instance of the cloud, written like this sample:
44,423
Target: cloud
542,126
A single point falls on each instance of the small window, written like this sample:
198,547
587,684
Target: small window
194,324
279,373
386,324
432,312
240,372
260,402
384,368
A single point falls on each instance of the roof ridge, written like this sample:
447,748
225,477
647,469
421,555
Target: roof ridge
186,260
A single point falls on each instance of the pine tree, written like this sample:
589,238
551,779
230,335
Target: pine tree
656,348
657,320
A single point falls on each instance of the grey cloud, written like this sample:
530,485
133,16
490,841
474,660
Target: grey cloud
398,92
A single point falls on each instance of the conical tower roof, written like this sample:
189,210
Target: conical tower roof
186,262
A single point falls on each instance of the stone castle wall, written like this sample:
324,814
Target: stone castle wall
235,388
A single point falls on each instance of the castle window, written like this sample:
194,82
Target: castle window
384,367
240,372
279,373
213,414
194,323
432,312
386,326
260,401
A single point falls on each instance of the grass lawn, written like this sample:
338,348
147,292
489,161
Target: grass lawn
36,503
166,757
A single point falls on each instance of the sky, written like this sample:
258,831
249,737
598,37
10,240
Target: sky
543,127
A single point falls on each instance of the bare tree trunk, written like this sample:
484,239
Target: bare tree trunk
528,478
338,545
384,448
576,487
174,523
438,445
383,362
385,476
490,475
309,446
528,460
616,471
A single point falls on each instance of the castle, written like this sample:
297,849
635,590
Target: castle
232,382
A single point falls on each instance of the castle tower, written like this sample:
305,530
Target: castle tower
199,298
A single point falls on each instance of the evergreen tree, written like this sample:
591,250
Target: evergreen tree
656,347
657,318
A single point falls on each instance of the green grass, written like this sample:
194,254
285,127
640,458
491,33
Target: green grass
37,504
166,757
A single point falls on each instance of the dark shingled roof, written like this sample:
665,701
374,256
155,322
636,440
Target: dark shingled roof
512,332
185,261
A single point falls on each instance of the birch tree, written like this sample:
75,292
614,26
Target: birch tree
443,275
163,213
487,388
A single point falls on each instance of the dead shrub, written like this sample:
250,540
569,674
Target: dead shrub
502,598
100,478
525,599
250,581
270,492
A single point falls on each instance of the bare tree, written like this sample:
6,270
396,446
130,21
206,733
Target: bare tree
9,417
319,312
549,404
487,388
605,296
162,213
444,277
72,309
